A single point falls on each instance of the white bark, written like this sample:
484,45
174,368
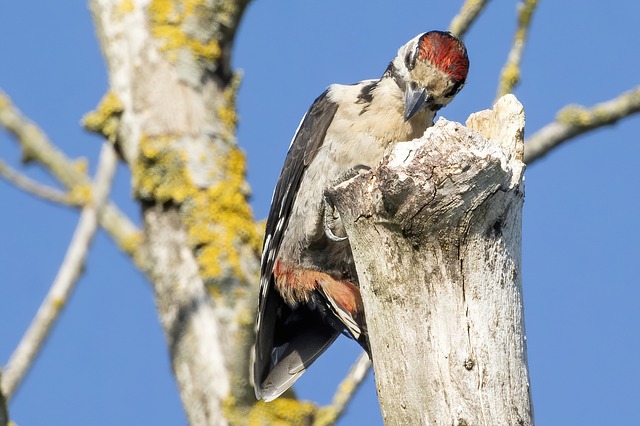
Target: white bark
436,235
187,314
166,72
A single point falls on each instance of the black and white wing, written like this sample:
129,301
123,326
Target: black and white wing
286,342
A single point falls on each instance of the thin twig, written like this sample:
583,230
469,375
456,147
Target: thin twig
575,120
37,147
33,187
510,75
469,12
65,281
330,414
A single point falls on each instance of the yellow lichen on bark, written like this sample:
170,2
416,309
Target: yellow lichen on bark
4,101
525,14
218,218
81,165
160,173
125,6
171,21
280,412
510,74
227,111
105,120
577,115
80,195
131,243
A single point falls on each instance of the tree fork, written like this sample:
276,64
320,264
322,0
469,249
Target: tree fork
436,235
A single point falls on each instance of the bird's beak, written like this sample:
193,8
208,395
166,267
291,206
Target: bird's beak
414,101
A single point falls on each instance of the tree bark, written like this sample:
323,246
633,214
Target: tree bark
187,314
171,113
436,236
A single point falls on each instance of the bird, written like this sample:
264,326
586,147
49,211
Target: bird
309,291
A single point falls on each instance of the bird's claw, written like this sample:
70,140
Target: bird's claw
351,173
333,237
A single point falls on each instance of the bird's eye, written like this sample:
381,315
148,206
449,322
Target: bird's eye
454,89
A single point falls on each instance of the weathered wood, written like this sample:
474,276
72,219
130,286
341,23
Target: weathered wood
436,235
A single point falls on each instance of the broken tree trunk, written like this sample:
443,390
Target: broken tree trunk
436,236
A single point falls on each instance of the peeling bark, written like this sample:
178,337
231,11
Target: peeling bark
436,234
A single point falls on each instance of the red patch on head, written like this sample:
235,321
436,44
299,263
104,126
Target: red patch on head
446,52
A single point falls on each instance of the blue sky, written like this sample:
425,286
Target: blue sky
106,362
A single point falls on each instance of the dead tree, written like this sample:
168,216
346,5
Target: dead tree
436,236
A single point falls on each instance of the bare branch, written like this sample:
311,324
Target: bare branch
469,12
331,414
29,185
37,147
510,76
574,120
65,281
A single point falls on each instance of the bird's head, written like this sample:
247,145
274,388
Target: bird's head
430,69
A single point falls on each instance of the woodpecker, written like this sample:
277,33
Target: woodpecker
309,291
